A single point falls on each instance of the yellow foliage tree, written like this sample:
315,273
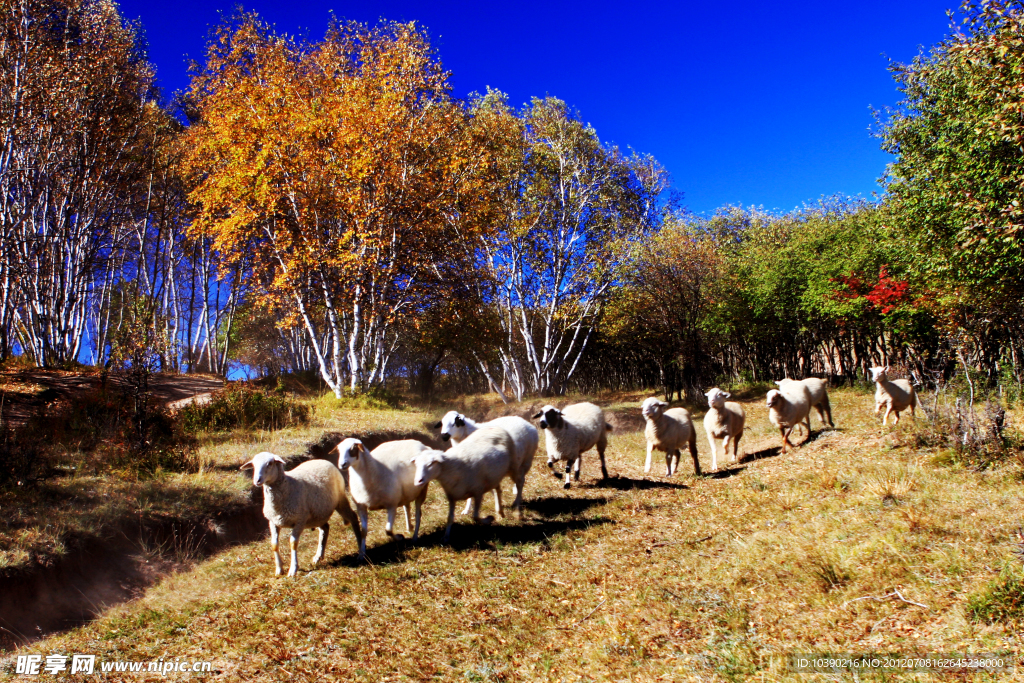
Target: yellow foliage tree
346,172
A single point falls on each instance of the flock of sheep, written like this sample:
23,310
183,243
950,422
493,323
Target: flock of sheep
397,473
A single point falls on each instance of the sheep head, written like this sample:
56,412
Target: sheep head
717,397
267,468
452,426
653,408
428,466
879,373
349,451
550,417
774,398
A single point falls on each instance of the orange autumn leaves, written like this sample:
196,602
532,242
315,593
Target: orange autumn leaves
336,163
343,172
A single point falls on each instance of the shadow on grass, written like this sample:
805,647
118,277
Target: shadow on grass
629,484
469,536
727,472
555,506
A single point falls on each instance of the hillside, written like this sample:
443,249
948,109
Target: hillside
858,541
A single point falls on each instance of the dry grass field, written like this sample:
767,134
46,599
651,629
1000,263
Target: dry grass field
855,542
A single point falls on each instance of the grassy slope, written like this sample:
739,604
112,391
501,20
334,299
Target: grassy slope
613,583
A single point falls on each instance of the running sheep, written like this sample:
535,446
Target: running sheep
382,479
669,431
469,470
896,395
724,420
788,406
819,397
301,498
572,431
456,427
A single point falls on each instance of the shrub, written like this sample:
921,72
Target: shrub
1001,600
371,399
245,407
978,438
19,456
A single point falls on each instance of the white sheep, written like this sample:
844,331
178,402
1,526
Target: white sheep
382,479
301,498
788,406
669,431
819,397
572,431
896,395
724,420
456,427
469,470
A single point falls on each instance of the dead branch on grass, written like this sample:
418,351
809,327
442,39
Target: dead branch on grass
662,544
883,598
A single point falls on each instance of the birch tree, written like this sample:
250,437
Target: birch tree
77,116
346,171
567,202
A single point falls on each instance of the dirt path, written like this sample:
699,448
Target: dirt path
27,392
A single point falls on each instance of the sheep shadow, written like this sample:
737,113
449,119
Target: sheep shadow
726,472
620,483
555,506
770,452
468,536
483,537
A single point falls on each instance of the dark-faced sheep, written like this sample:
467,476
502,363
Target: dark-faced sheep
572,431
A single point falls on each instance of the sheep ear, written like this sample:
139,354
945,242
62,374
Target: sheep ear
887,368
248,466
278,458
537,415
726,394
438,425
459,421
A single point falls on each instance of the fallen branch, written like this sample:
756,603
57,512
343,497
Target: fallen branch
662,544
591,613
894,594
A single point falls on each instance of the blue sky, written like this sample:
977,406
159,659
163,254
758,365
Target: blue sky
744,103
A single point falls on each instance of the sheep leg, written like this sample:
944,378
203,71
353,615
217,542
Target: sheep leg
693,454
650,453
885,418
735,446
714,455
601,445
408,526
518,502
451,519
896,413
274,530
497,503
419,513
551,466
478,502
785,438
364,518
668,462
389,528
469,507
576,470
725,447
321,547
568,474
350,518
293,539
